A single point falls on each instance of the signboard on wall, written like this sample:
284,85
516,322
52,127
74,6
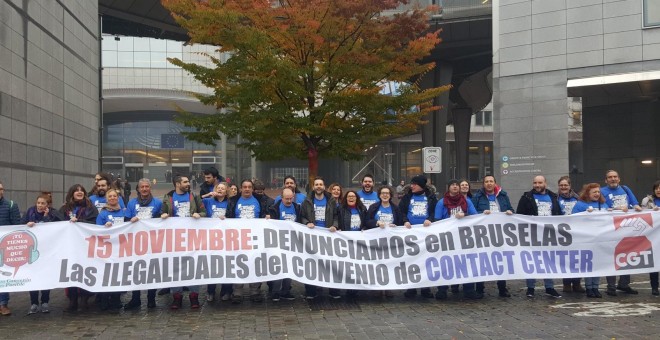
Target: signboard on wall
432,159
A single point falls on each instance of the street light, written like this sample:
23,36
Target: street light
389,167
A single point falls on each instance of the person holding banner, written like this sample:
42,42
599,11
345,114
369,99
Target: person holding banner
290,182
367,194
455,204
591,200
9,215
351,216
143,207
41,213
618,197
78,207
418,207
567,199
540,202
247,206
99,199
335,190
111,214
491,198
653,202
319,210
181,202
216,207
284,209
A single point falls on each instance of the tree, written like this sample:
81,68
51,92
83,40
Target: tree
304,77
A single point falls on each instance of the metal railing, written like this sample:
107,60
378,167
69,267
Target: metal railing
452,9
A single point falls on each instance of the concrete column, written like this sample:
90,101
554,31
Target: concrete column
462,118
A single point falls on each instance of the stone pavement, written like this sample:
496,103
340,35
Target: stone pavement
571,317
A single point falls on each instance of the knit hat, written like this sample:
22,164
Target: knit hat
452,181
419,180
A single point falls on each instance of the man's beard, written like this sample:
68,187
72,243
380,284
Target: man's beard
101,193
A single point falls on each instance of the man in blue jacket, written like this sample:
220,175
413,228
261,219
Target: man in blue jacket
491,198
9,215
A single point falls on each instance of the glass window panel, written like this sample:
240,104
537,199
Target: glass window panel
158,60
141,44
488,118
109,43
173,55
174,46
158,45
480,118
109,58
125,44
125,59
651,13
142,59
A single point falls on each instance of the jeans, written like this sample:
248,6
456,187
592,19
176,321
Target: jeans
34,296
654,280
4,299
591,282
574,281
282,286
547,282
192,289
624,281
254,288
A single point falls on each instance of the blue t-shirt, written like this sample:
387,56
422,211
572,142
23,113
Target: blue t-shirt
319,211
544,203
419,209
385,215
300,198
567,204
493,203
581,206
152,210
356,221
181,205
368,198
214,208
618,197
247,208
287,213
442,213
100,202
114,217
656,201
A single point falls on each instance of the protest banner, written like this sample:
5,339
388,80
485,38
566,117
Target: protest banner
174,252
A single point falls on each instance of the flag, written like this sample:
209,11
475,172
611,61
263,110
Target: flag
171,141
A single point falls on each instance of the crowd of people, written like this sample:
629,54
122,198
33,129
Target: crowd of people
326,206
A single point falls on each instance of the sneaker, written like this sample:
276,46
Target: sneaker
163,291
590,293
310,297
530,292
410,293
4,310
257,298
33,309
655,291
275,297
504,293
578,288
236,299
210,297
552,292
611,292
44,308
597,293
226,297
194,300
335,296
177,302
441,295
627,290
288,296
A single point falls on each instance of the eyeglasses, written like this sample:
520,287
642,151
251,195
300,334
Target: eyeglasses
385,193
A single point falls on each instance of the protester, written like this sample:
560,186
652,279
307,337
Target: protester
111,214
567,199
284,209
216,207
336,192
652,202
41,212
466,191
540,202
291,183
211,180
367,194
351,216
591,200
9,215
99,200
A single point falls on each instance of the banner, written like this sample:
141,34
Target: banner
175,252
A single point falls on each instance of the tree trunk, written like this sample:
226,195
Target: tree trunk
313,167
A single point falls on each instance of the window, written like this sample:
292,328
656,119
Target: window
484,118
651,13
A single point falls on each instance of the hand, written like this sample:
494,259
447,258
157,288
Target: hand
46,211
637,208
268,217
380,224
196,216
609,209
134,219
427,223
108,224
624,209
73,219
590,209
407,225
30,224
222,217
509,212
310,225
460,215
656,208
164,216
486,212
333,229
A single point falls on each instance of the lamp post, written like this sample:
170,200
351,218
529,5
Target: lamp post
389,167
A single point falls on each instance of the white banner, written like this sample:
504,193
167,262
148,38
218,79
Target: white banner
184,251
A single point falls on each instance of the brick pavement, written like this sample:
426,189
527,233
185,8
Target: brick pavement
571,317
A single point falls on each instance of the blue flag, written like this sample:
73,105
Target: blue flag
171,141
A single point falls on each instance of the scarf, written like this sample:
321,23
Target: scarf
145,201
451,202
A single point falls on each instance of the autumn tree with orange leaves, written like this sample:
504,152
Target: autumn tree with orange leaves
304,77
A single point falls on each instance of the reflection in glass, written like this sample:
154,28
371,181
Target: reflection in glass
124,59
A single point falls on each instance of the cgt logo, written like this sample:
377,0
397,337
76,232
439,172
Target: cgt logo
633,253
636,222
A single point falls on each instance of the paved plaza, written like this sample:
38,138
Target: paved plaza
571,317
